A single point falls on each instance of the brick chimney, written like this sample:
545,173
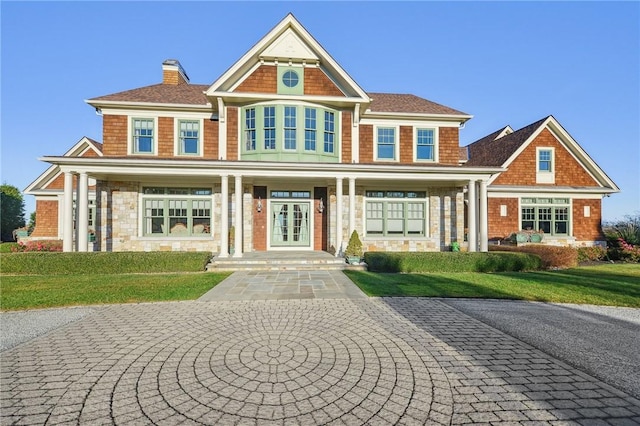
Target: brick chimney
173,73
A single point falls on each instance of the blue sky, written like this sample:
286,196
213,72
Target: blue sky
503,62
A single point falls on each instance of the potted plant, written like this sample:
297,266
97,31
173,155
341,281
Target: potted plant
353,253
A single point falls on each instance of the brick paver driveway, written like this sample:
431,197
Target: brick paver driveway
375,361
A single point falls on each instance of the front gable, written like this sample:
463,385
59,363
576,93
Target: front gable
288,46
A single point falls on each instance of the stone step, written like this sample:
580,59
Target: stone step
274,261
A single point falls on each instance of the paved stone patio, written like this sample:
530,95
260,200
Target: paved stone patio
319,361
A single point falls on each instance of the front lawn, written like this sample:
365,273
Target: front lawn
607,284
45,291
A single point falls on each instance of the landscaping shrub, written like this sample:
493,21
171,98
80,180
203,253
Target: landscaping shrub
625,252
591,254
450,262
552,257
43,263
38,245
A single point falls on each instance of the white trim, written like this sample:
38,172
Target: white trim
183,115
436,144
396,154
543,176
452,120
545,194
130,147
110,107
428,123
176,138
586,211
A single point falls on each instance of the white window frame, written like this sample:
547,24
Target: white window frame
436,140
396,152
543,176
131,144
177,148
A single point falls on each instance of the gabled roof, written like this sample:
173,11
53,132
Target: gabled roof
287,41
182,94
493,150
78,150
407,103
501,148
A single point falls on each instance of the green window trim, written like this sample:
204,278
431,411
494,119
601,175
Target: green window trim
399,217
189,137
289,132
290,80
550,215
176,212
143,135
425,144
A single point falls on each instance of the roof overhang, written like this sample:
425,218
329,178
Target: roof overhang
379,115
551,189
114,105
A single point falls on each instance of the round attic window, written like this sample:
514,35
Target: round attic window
290,78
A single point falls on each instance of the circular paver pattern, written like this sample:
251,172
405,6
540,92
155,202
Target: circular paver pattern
259,361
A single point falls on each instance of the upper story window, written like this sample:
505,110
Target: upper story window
285,132
189,137
425,145
289,127
545,165
310,129
250,129
329,131
290,80
143,135
269,127
386,143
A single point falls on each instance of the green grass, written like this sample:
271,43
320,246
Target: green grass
45,291
6,247
616,285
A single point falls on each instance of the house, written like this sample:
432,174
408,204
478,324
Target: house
285,151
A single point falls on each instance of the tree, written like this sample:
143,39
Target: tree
11,211
32,222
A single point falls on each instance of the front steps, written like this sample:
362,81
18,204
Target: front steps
281,261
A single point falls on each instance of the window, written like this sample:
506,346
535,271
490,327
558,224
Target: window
269,127
176,212
250,129
329,131
386,140
546,214
396,213
544,160
290,127
290,78
310,129
143,130
425,144
545,166
189,137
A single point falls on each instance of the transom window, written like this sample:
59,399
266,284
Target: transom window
550,215
290,194
396,213
386,143
176,212
143,135
189,137
425,144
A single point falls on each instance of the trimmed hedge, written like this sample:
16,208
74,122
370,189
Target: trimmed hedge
553,257
45,263
450,262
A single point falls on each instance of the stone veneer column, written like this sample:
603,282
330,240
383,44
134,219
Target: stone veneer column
338,223
352,205
82,206
67,213
484,217
224,216
238,217
472,217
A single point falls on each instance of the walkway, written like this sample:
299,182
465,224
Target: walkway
336,360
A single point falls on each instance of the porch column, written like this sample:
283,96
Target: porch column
67,213
484,217
472,217
352,205
238,219
338,217
224,216
82,206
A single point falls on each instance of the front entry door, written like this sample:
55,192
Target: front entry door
290,223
